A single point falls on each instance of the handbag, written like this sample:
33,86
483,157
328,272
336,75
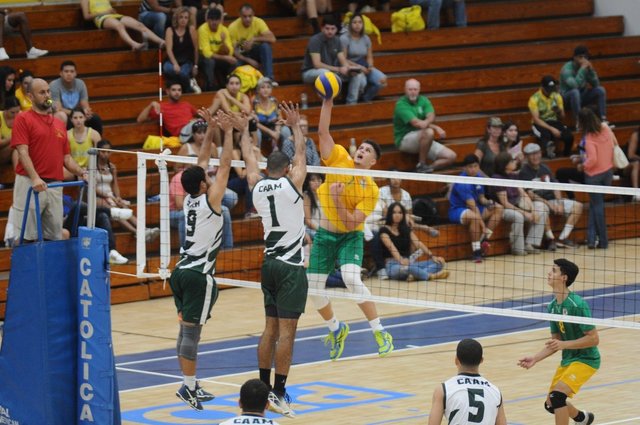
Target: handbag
619,158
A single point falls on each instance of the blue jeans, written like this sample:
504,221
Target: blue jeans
373,84
596,222
420,269
155,21
210,67
577,98
433,8
183,76
357,82
262,53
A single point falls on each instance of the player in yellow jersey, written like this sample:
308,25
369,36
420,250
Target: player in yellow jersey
345,202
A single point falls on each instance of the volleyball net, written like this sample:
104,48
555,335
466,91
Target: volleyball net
510,278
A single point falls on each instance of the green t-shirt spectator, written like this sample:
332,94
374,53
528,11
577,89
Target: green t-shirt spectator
405,111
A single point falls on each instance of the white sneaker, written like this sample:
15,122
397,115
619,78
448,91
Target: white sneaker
116,258
34,53
382,274
3,54
194,86
151,234
121,213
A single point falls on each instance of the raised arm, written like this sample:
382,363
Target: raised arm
326,141
299,169
217,189
241,123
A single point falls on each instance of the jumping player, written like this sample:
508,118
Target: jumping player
579,345
192,283
345,202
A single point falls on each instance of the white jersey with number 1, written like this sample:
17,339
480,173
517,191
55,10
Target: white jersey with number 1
249,420
471,399
281,207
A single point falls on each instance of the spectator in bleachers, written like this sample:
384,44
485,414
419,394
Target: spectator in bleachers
512,141
41,142
598,170
470,207
519,209
364,6
181,40
176,113
547,111
7,83
414,130
402,249
14,22
69,92
252,41
288,148
580,86
311,8
271,128
105,16
7,116
324,53
24,79
81,139
554,203
216,49
153,14
490,145
633,153
356,46
312,212
434,7
108,192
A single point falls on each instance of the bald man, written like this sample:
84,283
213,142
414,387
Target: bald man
414,130
43,150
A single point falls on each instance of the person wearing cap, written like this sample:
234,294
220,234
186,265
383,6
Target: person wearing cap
547,111
216,49
490,145
470,207
176,113
252,40
580,85
552,200
578,343
414,130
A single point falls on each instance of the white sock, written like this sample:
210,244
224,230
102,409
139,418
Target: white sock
190,382
376,325
549,235
566,231
475,245
333,323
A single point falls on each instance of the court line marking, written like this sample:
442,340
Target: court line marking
621,421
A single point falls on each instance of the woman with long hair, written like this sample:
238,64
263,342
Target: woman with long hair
512,141
7,83
267,115
25,77
599,142
7,116
490,145
181,40
81,139
402,249
356,46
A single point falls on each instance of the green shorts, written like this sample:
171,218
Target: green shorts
194,294
346,248
284,286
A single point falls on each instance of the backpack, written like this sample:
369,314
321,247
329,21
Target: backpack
426,208
407,19
369,27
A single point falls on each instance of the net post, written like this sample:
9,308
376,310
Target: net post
141,246
91,195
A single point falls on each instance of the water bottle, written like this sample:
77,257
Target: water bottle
413,257
352,147
304,101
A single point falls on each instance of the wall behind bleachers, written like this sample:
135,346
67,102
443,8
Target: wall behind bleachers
630,9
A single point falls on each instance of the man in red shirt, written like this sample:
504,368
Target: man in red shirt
43,149
175,113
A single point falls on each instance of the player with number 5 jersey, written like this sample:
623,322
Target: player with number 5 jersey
278,199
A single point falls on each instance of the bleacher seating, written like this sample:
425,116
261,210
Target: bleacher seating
489,68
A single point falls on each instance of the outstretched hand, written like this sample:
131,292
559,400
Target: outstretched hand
206,115
224,121
239,121
291,113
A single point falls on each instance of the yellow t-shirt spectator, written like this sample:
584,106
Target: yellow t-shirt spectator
542,104
240,33
5,131
209,42
359,192
25,102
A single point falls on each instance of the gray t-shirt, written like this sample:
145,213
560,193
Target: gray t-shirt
328,48
289,149
70,98
356,48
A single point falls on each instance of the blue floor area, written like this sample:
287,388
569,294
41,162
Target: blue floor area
412,330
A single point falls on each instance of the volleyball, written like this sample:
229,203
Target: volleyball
328,85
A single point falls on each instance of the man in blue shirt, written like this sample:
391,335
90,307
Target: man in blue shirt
470,207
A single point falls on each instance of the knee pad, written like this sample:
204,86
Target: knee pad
318,281
188,347
558,399
548,408
353,281
319,301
